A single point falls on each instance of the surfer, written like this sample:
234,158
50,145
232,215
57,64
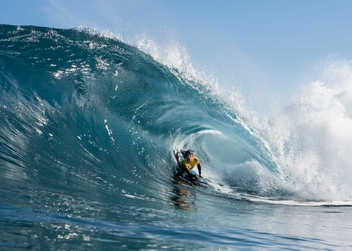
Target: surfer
188,163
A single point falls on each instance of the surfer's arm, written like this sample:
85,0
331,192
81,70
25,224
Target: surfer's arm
199,170
178,160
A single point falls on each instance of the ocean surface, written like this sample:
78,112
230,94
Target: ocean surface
87,128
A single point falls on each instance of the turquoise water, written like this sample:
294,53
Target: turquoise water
88,124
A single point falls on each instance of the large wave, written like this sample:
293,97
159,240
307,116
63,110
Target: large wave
81,111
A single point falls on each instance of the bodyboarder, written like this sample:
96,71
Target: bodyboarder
188,163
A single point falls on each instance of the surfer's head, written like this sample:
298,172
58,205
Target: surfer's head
188,152
189,155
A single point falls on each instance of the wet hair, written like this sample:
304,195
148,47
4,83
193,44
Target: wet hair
186,153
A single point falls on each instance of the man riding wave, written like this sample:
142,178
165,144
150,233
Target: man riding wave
188,163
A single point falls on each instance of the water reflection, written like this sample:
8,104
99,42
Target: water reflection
183,197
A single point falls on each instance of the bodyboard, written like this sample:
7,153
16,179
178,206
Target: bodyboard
184,176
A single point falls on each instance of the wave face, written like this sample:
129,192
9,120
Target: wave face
87,127
82,109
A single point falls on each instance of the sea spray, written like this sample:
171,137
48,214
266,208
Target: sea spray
311,138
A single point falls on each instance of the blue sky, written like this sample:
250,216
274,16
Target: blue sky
252,45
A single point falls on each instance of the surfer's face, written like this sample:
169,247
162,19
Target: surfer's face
189,157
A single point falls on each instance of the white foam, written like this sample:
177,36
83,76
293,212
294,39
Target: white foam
312,138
